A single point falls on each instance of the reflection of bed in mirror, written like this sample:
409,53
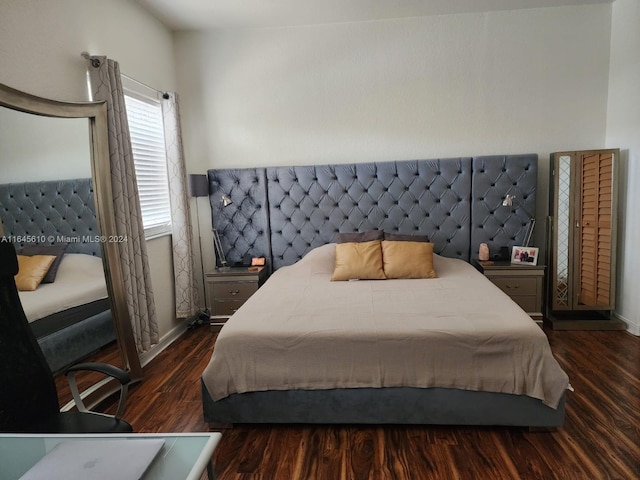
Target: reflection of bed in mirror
70,316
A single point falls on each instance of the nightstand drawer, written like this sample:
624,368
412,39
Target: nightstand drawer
529,303
234,290
516,285
523,283
227,307
228,289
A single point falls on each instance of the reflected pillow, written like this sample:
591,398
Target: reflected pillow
408,259
368,236
358,261
31,271
56,250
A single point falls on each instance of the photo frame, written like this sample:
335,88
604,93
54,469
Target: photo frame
524,255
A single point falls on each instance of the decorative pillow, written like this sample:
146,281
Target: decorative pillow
31,271
398,237
56,250
368,236
358,261
408,259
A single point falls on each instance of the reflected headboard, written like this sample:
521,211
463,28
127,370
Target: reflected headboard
283,212
60,211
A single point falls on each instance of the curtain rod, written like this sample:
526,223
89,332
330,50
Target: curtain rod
95,62
165,95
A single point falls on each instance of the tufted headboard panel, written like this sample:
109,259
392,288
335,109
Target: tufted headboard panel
308,206
242,226
283,212
61,211
493,178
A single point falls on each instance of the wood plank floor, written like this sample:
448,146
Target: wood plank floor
600,438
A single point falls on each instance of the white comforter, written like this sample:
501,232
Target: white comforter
302,331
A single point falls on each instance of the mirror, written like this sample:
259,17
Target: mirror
562,244
58,152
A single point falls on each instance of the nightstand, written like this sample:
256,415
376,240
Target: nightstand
227,290
523,283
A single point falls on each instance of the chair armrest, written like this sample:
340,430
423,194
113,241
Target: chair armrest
110,370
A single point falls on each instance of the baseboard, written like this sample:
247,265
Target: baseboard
584,320
166,340
632,327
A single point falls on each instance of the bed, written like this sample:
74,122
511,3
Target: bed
448,350
69,314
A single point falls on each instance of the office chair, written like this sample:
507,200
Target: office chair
28,399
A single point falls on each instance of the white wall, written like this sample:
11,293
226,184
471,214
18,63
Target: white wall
62,149
472,84
40,45
623,127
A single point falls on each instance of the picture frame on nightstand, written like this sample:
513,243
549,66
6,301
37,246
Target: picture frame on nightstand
524,255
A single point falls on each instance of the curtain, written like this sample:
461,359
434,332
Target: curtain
106,84
183,261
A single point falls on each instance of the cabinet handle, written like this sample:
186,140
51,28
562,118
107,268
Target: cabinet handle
234,292
514,286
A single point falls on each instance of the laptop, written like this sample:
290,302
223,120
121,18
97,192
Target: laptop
97,459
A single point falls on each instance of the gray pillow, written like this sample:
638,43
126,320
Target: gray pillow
355,237
57,250
398,237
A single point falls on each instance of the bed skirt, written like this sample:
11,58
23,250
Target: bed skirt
411,406
73,343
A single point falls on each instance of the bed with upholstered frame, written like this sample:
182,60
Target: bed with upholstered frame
49,213
282,213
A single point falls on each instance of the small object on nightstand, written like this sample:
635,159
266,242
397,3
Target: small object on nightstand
483,252
258,262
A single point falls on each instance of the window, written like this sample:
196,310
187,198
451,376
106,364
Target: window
146,128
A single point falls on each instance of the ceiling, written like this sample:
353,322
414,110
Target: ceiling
207,14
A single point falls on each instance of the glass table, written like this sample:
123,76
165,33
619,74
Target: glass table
183,456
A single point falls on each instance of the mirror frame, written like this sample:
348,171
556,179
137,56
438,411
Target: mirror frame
96,113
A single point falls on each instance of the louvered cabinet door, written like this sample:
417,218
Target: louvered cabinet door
582,236
595,231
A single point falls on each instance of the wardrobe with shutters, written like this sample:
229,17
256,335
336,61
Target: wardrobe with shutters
582,240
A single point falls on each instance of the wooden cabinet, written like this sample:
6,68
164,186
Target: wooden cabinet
227,290
523,283
582,239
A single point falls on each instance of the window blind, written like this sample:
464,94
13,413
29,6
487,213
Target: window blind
147,141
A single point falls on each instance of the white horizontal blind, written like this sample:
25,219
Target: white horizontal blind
147,141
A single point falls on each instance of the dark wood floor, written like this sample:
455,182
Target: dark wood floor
600,438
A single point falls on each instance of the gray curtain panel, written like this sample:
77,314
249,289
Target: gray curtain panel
181,233
106,84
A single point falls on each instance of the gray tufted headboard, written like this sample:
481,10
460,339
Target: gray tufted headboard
283,212
61,211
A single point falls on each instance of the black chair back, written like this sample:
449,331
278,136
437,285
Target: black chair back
28,388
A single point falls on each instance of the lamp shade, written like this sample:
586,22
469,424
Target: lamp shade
198,185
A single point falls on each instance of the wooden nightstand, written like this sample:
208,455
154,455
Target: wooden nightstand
523,283
227,290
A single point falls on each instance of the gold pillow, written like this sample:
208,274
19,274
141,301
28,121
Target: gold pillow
408,259
358,261
31,271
